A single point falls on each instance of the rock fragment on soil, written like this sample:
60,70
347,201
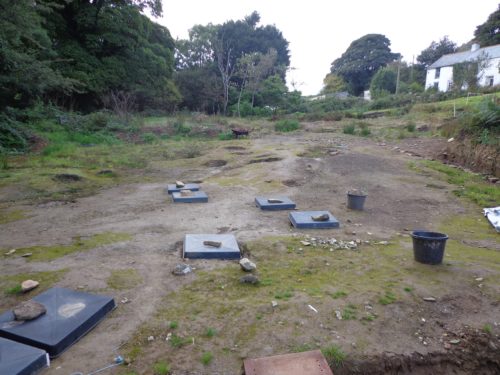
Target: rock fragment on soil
247,265
10,252
455,342
429,299
179,184
27,255
249,279
29,310
28,285
274,304
338,314
324,217
186,193
212,243
182,269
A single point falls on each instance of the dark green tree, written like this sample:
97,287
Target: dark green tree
383,82
362,59
488,34
436,49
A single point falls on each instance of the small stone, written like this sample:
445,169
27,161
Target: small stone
447,346
247,265
179,184
429,299
338,314
28,310
182,269
125,300
249,279
455,342
385,243
10,252
305,243
324,217
212,243
274,200
274,304
28,285
186,193
479,279
26,255
151,338
451,140
369,233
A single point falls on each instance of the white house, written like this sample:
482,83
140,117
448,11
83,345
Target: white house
440,73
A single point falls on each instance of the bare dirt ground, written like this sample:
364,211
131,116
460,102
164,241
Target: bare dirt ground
315,170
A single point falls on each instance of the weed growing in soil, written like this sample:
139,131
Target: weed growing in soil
487,328
47,253
206,358
17,289
334,355
173,325
210,332
286,125
14,215
179,341
338,294
349,312
161,368
349,129
387,299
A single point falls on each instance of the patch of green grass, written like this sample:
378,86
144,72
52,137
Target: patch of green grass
410,127
210,332
227,136
387,298
47,253
286,125
302,348
487,328
408,289
14,215
11,284
179,341
285,295
207,358
471,186
173,325
349,312
365,132
123,279
338,294
334,355
349,129
161,368
369,317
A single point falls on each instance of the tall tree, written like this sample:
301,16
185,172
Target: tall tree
488,34
362,59
333,83
383,82
435,50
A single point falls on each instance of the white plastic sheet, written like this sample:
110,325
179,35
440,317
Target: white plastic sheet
493,216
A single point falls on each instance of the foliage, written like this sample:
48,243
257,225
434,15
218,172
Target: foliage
384,81
466,75
161,368
286,125
349,129
333,83
206,358
435,50
334,355
362,59
488,33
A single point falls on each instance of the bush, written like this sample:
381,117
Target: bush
349,129
225,136
95,121
410,127
365,132
149,137
286,125
180,128
13,135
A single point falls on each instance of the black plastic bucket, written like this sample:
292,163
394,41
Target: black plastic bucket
428,247
355,201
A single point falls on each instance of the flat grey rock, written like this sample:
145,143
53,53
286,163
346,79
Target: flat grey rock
182,269
247,265
28,285
249,279
29,310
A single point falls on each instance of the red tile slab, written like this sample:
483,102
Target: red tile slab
306,363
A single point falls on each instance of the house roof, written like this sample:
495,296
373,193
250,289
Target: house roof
460,57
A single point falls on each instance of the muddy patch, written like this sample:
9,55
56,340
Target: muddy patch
235,148
215,163
67,177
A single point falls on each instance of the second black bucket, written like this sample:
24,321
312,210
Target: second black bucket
428,247
356,200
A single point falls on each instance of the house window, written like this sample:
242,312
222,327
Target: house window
438,73
436,85
450,85
490,80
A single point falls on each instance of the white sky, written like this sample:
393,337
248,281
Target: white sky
320,31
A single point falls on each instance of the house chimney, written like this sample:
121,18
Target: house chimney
474,47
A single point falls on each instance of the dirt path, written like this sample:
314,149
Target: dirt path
399,200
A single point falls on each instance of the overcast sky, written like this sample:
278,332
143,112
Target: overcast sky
320,31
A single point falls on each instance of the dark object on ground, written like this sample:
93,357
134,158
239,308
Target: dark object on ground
194,246
20,359
310,363
428,247
356,200
249,279
273,204
304,219
28,310
70,315
323,217
240,132
67,177
212,243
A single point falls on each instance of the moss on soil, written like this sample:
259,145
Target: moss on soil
10,283
127,278
7,216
